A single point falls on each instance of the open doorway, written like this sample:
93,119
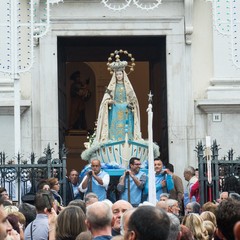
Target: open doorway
89,56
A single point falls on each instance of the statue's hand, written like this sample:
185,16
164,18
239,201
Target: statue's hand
130,106
111,102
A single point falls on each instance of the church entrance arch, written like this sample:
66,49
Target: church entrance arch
92,53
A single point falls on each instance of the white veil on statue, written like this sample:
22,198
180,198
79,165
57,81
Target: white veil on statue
118,119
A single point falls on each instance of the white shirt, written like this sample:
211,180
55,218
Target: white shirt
105,179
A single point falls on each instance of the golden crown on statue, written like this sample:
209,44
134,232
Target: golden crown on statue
119,65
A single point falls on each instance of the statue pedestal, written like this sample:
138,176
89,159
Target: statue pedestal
119,172
117,153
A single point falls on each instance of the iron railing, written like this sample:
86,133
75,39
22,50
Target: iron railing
20,176
224,173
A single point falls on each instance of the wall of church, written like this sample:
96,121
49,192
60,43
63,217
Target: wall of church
202,54
7,133
216,80
202,70
226,133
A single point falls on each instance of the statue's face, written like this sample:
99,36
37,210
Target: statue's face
119,75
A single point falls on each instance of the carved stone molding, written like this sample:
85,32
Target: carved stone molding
227,106
7,106
188,5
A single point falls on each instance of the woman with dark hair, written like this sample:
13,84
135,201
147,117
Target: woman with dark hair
4,194
43,184
70,223
14,221
54,188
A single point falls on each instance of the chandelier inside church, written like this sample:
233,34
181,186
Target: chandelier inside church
117,5
226,16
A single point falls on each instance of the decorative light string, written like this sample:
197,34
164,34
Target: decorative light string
20,29
226,16
18,26
148,5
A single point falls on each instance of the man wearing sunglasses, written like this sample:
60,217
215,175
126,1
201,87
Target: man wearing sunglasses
132,182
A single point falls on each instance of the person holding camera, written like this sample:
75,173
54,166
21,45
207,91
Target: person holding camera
132,182
96,180
40,228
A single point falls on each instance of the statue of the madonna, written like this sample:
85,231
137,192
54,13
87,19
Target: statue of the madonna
118,136
119,114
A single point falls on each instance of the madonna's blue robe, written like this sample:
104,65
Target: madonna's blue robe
120,116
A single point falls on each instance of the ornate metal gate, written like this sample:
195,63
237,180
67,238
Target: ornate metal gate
216,176
21,177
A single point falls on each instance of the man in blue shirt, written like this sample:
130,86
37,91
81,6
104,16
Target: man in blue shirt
163,178
132,182
39,228
96,181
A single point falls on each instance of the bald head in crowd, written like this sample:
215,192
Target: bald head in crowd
162,205
118,208
90,198
148,222
99,218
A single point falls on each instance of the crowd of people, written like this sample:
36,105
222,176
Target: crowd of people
90,215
